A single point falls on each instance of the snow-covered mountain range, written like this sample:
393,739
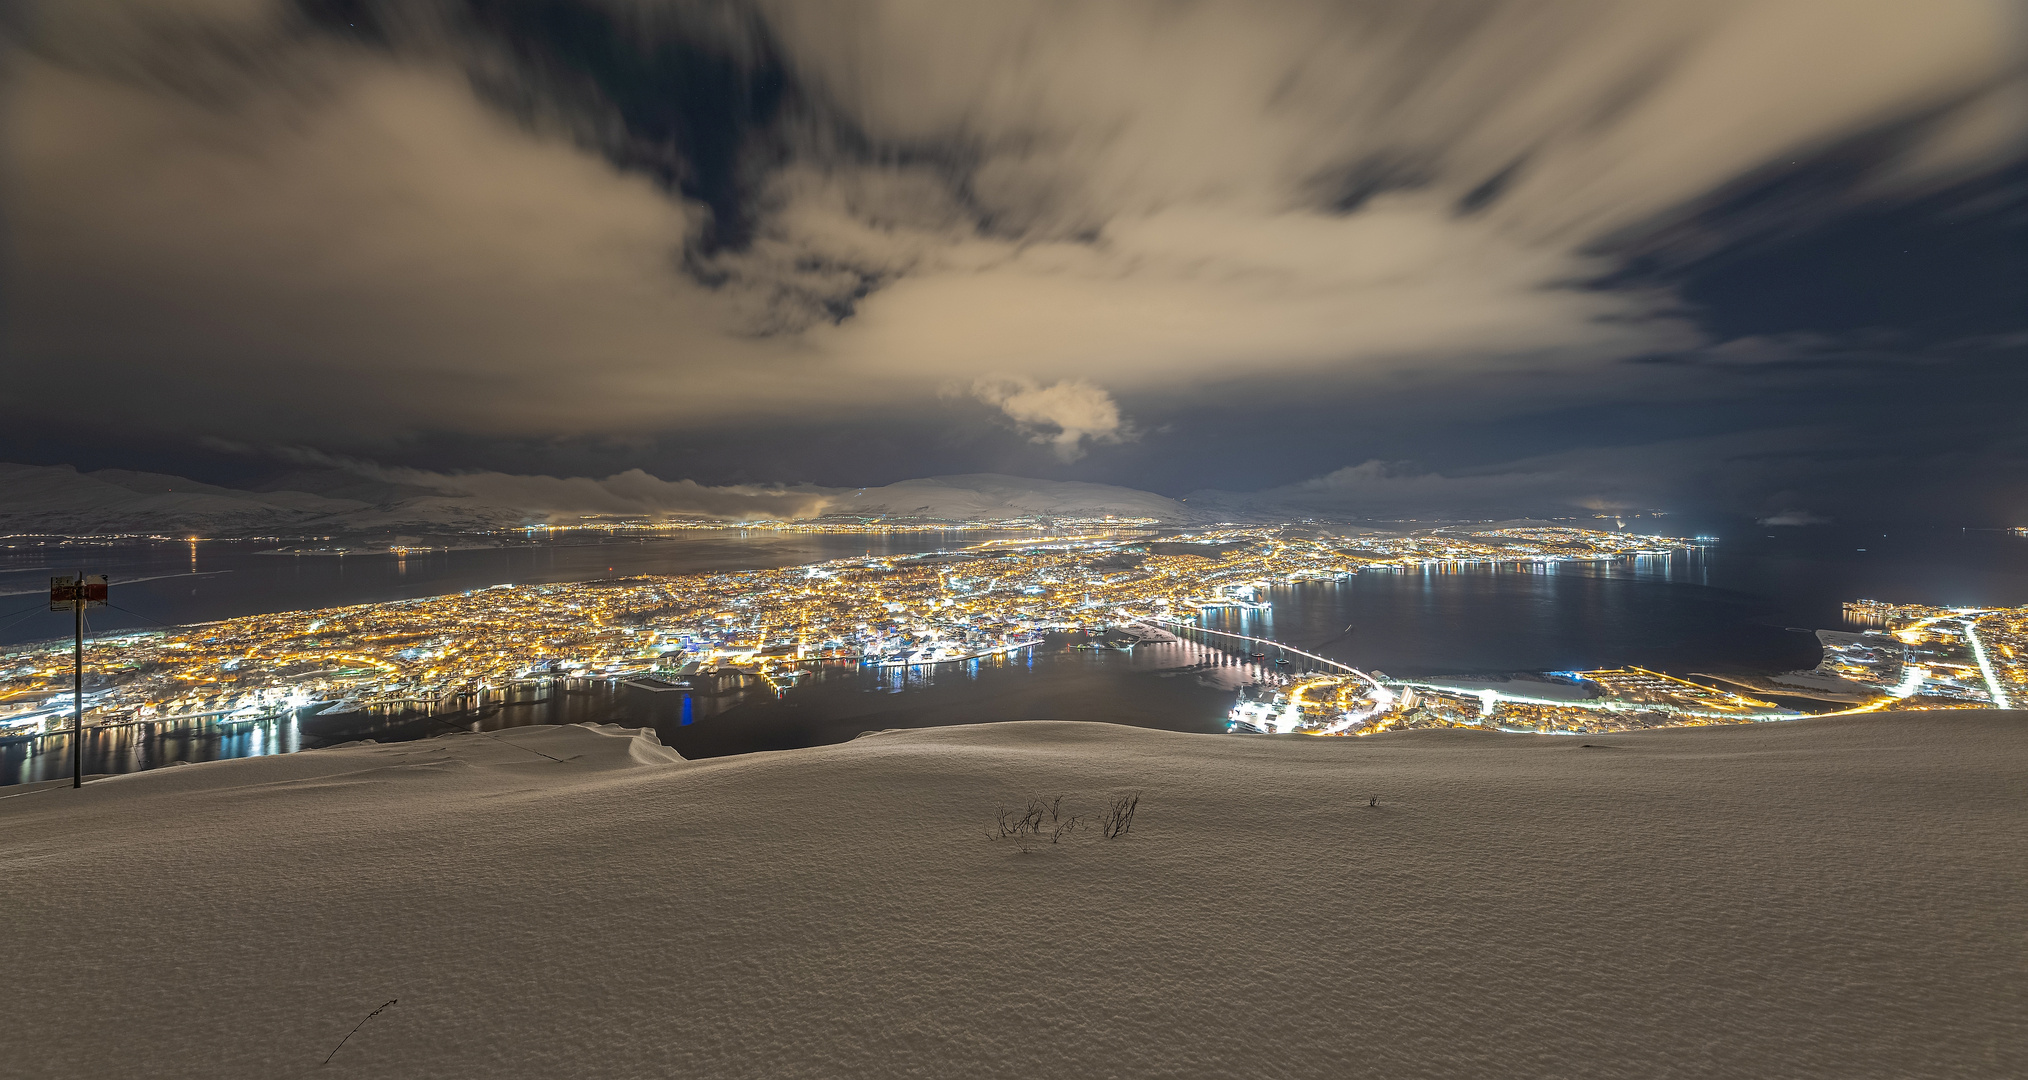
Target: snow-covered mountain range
60,499
991,496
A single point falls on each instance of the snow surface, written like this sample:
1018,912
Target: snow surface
1826,898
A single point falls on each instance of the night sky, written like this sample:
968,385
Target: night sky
1757,258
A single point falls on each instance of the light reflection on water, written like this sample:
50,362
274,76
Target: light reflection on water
178,582
1737,607
133,748
1184,686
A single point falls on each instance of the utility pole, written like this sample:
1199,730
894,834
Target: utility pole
77,693
78,593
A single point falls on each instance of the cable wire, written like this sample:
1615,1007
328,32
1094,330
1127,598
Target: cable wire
145,618
4,627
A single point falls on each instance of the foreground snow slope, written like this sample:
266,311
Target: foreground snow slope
1835,898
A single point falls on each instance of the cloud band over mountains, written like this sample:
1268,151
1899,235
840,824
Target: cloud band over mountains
369,223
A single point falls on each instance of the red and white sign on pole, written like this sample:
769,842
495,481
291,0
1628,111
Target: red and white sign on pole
71,593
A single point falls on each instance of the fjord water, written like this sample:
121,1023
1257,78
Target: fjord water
169,582
1745,604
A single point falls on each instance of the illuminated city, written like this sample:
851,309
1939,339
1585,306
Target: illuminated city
1021,539
714,632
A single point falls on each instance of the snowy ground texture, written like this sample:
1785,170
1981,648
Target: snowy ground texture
1829,898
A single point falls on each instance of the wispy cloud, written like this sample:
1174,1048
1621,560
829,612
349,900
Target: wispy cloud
430,217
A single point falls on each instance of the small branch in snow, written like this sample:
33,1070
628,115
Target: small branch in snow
355,1030
1120,816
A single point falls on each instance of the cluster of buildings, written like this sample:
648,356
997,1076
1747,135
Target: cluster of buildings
1924,657
1531,545
710,629
1916,657
723,629
1587,703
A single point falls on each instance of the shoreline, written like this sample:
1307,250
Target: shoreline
1780,689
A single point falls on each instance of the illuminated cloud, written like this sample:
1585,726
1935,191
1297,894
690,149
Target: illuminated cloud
414,219
1065,415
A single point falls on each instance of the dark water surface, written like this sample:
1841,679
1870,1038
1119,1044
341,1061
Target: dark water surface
175,583
1180,687
1746,604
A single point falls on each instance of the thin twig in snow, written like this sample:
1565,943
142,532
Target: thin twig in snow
355,1030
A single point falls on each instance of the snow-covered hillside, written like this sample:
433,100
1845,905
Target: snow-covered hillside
990,496
59,499
1827,898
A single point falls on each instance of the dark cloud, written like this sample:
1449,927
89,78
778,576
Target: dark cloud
692,90
1180,246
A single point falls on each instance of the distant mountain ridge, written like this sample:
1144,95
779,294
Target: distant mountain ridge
61,500
990,496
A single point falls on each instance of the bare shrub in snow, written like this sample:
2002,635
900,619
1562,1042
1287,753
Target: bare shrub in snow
1027,823
1040,820
1120,816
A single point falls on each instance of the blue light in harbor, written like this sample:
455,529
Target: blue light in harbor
688,718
